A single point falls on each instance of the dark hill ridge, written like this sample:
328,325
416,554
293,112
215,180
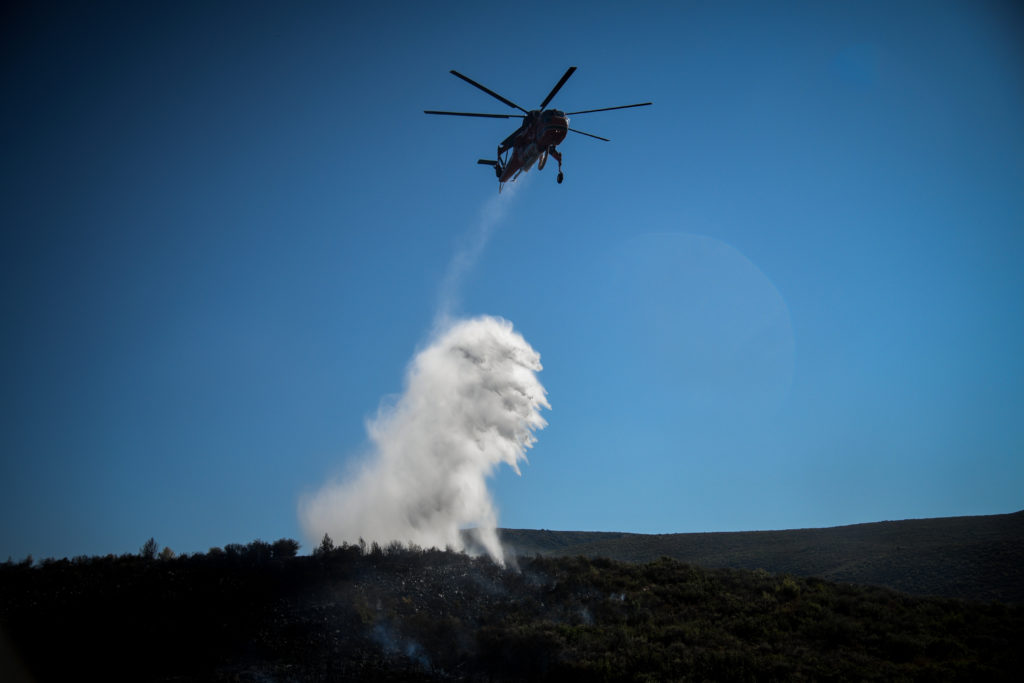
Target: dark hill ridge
975,558
407,614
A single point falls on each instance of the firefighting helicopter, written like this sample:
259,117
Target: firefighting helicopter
537,138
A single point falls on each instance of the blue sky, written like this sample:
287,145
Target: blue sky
789,294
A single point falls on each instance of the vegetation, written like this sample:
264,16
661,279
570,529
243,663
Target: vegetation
260,612
975,558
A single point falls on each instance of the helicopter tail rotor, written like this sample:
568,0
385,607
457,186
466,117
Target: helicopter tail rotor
496,164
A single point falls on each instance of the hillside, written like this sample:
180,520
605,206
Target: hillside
247,614
976,558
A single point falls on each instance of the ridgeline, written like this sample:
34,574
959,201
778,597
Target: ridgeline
974,558
260,612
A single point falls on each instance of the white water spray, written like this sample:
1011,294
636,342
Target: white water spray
467,253
472,401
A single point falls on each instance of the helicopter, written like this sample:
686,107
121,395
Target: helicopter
537,138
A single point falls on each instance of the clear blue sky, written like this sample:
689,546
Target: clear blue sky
789,294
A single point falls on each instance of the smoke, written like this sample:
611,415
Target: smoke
471,402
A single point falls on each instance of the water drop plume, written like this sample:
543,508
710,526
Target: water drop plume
472,401
468,252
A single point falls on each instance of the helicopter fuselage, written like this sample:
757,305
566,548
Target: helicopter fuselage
542,131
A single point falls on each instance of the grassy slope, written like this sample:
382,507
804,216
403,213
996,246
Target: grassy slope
978,558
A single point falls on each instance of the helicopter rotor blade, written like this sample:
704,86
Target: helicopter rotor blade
557,87
625,106
589,135
489,91
463,113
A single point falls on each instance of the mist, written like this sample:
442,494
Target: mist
471,403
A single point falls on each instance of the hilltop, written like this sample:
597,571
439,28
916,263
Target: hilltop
975,558
408,614
260,612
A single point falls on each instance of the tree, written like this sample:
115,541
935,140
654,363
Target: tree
166,554
284,548
234,550
258,551
326,545
149,549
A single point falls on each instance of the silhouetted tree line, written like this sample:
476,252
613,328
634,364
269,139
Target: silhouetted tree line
257,551
260,611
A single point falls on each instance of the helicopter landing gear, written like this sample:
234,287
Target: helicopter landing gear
558,157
